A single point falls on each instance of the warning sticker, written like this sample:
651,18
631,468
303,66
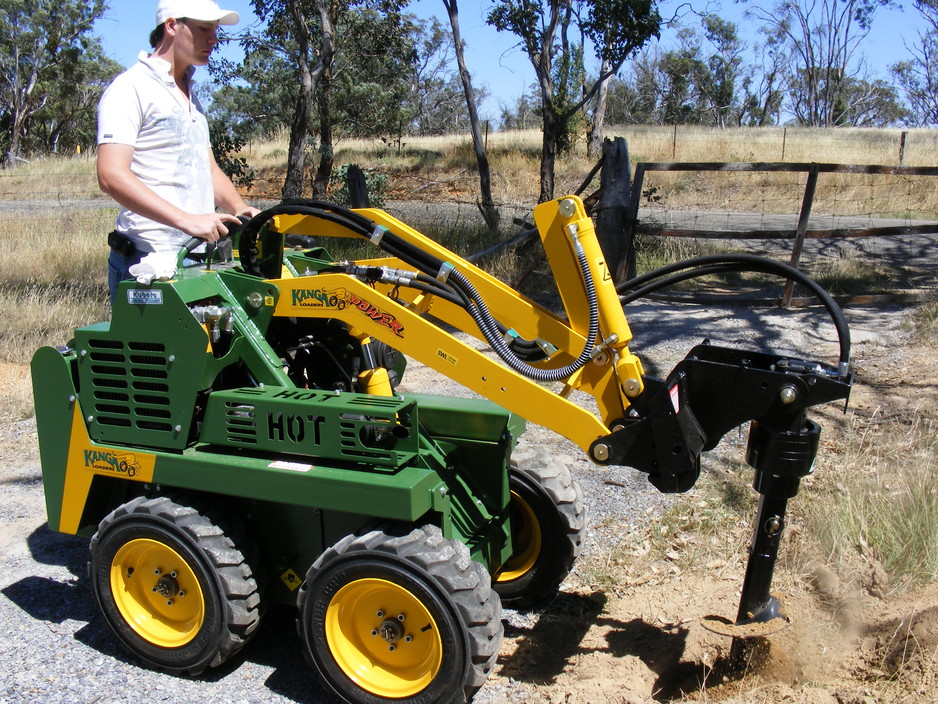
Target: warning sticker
291,580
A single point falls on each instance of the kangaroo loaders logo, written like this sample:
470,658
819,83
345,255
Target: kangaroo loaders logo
110,461
340,299
337,298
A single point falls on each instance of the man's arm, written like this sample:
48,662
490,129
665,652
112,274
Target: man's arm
117,180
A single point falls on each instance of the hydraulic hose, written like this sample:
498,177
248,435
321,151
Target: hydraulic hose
671,274
460,289
488,326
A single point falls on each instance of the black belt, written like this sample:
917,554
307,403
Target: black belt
123,245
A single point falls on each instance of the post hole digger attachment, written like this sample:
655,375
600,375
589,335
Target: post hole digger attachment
236,436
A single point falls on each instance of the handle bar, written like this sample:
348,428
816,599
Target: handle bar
193,242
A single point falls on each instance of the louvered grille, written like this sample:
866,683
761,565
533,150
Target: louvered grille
120,374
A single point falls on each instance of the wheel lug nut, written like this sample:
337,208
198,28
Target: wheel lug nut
181,593
392,648
374,633
169,602
380,614
157,571
173,574
400,617
153,589
408,638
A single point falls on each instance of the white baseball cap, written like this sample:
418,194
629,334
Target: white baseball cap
201,10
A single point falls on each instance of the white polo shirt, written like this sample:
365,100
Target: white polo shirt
144,108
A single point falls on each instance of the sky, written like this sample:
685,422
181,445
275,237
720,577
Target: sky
492,57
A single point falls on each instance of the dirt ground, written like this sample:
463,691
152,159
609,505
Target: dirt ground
644,640
847,644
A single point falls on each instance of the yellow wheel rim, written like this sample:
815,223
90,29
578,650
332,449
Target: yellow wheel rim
383,638
157,593
525,536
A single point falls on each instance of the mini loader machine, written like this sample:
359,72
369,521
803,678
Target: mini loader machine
233,437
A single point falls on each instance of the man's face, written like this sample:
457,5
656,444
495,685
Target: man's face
195,41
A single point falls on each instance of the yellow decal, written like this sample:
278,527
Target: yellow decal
291,580
85,459
447,357
269,301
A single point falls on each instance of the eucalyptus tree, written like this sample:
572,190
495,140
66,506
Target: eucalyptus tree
302,31
486,204
40,42
824,40
918,75
613,28
325,62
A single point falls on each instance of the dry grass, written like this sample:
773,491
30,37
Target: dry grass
789,144
924,323
443,169
52,279
889,514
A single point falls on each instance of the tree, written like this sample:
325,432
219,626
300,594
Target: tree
40,42
763,87
615,28
312,59
725,65
594,139
486,204
918,76
436,101
246,111
68,118
334,63
823,38
520,115
635,98
684,73
362,78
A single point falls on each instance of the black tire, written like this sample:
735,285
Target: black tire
548,521
172,585
443,648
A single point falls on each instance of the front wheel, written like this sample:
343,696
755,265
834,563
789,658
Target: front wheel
548,519
173,585
405,617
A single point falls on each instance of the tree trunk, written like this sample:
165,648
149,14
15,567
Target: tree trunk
548,155
486,203
326,151
309,80
296,154
595,143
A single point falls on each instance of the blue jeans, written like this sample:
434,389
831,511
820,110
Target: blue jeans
118,269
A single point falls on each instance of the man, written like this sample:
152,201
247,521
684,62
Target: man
154,155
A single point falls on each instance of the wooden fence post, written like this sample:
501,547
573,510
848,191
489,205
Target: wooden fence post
357,187
806,204
612,218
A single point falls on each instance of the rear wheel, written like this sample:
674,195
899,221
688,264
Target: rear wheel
404,617
172,585
547,523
